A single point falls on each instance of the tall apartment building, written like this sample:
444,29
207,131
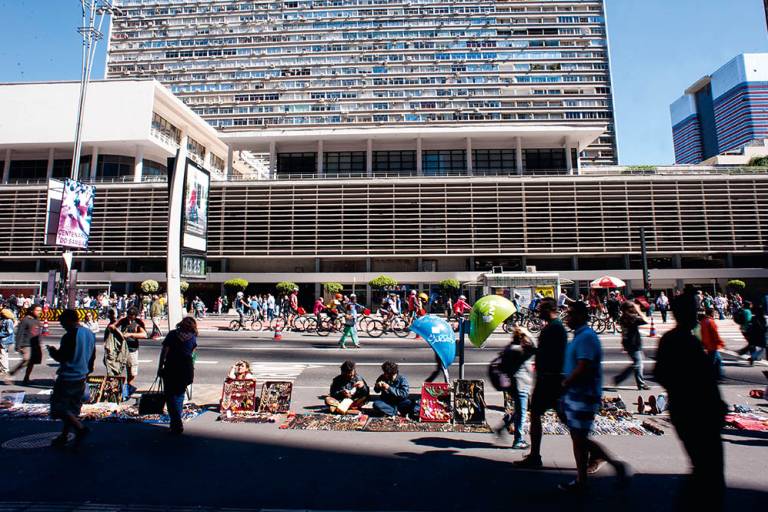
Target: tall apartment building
722,112
536,72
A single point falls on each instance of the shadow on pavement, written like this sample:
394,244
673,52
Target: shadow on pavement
141,464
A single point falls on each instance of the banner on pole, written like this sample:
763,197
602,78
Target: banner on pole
76,215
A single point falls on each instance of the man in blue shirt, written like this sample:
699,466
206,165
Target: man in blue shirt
75,355
394,393
583,388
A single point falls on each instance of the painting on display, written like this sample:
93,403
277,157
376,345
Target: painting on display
76,215
238,396
435,403
197,185
468,401
276,397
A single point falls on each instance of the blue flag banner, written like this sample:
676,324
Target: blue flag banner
438,333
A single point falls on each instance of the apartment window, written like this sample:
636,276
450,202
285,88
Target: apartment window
195,149
394,161
544,159
436,162
288,163
344,162
494,160
152,168
165,128
23,170
217,164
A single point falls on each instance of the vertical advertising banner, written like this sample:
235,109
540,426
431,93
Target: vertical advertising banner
76,215
197,185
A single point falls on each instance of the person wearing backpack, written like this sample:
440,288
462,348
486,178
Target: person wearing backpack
7,338
516,365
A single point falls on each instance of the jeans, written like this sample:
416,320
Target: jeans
720,313
517,418
717,363
175,403
636,367
404,408
351,332
663,312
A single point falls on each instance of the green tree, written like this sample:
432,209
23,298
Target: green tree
332,288
737,285
233,286
450,285
183,286
150,286
758,161
285,287
382,283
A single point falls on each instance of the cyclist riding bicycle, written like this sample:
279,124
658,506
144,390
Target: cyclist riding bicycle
240,307
461,306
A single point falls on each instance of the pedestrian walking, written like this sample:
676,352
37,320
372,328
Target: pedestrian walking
712,342
76,354
754,332
350,327
155,313
7,339
133,329
177,369
582,397
695,407
662,304
547,388
28,343
516,365
631,319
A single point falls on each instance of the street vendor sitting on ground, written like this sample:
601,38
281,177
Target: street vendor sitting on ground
241,370
349,392
394,398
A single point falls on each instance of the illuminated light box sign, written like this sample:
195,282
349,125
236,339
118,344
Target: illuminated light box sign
76,215
193,266
197,186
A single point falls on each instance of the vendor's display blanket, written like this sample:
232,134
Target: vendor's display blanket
747,421
605,424
256,417
399,424
317,421
106,412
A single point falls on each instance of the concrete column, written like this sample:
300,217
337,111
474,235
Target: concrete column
367,286
369,157
519,155
272,158
320,157
470,167
7,166
230,161
419,169
318,289
578,162
568,158
677,262
138,165
729,260
574,263
94,165
49,167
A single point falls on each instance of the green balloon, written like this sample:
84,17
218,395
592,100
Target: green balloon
487,314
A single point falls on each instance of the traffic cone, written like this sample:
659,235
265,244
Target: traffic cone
652,334
45,327
278,333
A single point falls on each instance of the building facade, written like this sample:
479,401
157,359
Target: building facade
723,112
303,65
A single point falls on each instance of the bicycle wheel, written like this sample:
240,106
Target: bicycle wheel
234,325
362,324
399,327
533,325
256,324
375,328
324,329
311,325
300,324
598,325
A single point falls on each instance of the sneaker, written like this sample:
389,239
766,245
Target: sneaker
640,405
573,487
595,466
653,405
60,441
661,403
529,462
520,445
643,387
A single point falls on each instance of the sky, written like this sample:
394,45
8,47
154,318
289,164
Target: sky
658,48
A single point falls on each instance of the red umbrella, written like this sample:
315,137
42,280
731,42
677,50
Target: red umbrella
607,282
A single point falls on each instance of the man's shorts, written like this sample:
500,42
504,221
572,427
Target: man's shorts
67,397
132,365
546,394
579,411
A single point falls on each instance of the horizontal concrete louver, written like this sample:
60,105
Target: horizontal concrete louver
423,217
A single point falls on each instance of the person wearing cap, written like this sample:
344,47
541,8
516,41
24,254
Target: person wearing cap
517,365
240,307
461,306
349,392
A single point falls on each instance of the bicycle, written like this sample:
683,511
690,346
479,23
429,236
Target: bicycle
396,325
329,325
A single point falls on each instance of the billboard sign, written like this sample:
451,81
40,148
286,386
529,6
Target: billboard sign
76,215
194,230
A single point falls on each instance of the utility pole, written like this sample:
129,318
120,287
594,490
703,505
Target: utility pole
644,255
765,4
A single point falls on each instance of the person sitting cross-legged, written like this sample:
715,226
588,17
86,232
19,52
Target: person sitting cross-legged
349,391
393,389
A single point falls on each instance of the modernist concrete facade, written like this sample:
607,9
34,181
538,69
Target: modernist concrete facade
723,112
347,65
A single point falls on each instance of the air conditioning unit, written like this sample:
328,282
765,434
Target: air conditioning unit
497,270
530,269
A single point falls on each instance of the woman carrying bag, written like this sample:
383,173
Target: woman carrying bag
177,368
